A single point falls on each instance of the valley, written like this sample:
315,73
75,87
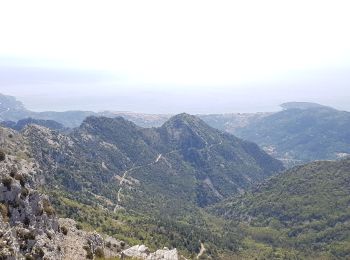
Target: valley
189,186
174,130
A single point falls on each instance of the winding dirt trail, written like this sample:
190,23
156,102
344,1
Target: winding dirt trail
202,251
125,175
157,159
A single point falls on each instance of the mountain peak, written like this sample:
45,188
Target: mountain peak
184,130
180,120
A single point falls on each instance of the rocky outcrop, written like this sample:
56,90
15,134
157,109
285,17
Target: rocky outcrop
79,245
142,252
28,226
164,254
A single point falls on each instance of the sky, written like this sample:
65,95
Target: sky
175,56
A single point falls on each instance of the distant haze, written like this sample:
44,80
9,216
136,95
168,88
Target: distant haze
171,57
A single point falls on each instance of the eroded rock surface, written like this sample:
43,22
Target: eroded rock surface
142,252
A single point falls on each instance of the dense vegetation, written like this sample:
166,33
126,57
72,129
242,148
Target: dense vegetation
156,231
184,161
305,209
156,178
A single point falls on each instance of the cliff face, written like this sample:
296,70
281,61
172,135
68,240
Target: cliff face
28,226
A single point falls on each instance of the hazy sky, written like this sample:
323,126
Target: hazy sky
173,56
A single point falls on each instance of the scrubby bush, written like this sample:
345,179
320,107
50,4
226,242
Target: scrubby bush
49,210
13,172
7,181
4,212
24,193
26,221
30,257
25,234
79,226
89,254
39,252
2,156
99,252
20,178
64,230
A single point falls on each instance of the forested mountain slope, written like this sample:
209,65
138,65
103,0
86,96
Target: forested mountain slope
154,177
184,157
306,208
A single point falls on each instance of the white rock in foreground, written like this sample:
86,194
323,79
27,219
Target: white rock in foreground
143,252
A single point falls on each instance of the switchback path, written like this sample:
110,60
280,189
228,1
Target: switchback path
127,172
157,159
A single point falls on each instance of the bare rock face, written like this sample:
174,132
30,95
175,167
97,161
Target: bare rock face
78,244
28,226
137,251
142,252
164,254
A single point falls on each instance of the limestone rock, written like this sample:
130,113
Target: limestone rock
164,254
137,251
142,252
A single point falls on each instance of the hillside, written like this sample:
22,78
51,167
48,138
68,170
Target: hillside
306,208
302,132
141,184
151,176
214,164
230,122
29,225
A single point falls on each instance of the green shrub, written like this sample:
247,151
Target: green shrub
79,226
